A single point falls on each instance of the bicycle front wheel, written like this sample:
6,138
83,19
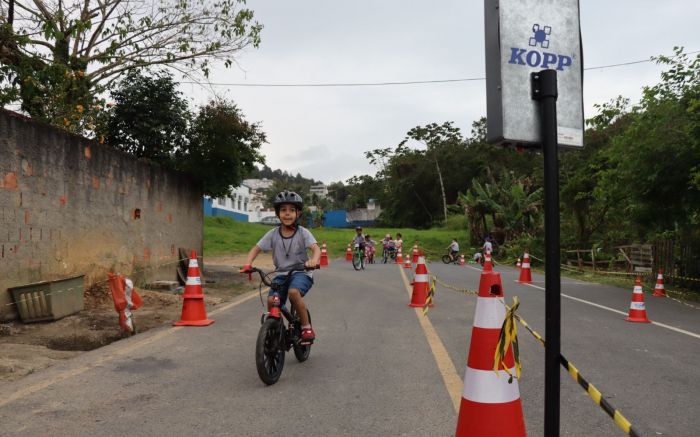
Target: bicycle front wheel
269,351
301,351
446,259
357,260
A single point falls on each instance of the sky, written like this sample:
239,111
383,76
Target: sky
323,132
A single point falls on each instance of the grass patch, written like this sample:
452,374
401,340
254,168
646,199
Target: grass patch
225,236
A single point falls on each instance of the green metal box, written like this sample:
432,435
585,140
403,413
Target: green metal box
49,300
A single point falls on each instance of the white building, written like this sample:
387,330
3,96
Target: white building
321,190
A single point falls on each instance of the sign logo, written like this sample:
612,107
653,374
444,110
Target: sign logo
540,36
536,58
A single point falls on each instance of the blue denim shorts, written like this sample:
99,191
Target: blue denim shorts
301,281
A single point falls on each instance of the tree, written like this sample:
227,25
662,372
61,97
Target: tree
150,118
435,137
56,56
223,148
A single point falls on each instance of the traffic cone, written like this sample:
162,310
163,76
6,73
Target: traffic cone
348,254
525,273
415,254
193,311
659,287
461,260
399,258
324,255
488,264
517,265
490,404
638,312
420,285
407,263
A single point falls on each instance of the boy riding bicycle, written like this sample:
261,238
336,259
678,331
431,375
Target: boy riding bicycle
453,248
289,243
359,240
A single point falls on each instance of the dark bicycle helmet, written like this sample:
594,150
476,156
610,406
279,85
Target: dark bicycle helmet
358,228
288,197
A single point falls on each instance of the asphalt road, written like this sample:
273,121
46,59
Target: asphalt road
372,370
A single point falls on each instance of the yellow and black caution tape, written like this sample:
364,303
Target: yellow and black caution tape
508,336
598,398
451,287
429,297
593,392
509,333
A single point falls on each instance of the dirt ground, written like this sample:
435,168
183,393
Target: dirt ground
27,348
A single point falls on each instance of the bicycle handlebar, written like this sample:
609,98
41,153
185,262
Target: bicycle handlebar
264,277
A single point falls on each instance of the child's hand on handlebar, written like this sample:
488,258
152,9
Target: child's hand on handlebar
246,269
310,264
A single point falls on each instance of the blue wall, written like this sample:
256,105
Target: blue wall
210,210
338,219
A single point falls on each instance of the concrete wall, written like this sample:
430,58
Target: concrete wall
68,206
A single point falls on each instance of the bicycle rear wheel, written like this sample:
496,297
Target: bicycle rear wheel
269,351
357,260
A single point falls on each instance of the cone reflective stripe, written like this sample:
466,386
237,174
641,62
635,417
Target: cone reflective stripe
517,265
420,285
659,287
348,254
193,311
490,405
488,265
407,263
638,312
399,258
415,254
461,260
525,273
324,255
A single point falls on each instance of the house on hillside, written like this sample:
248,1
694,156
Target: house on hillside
236,205
321,190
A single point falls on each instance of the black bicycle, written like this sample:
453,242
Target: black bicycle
388,254
447,259
276,337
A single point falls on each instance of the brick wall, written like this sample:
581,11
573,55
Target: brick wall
70,206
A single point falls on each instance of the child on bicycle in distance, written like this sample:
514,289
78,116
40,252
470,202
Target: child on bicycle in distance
289,243
359,239
453,248
369,249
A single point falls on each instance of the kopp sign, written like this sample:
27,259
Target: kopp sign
523,36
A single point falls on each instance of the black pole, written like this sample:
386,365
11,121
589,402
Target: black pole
544,90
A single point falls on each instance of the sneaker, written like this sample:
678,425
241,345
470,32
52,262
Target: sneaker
307,336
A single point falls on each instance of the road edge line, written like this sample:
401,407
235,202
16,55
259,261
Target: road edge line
450,377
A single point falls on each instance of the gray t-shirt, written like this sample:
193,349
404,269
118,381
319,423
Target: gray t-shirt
287,251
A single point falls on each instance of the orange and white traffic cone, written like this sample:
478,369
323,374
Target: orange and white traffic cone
518,265
461,260
659,290
525,273
638,312
324,255
348,254
415,254
407,263
193,311
490,404
420,285
488,264
399,258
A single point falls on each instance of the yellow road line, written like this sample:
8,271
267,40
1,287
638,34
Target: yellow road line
130,347
452,381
